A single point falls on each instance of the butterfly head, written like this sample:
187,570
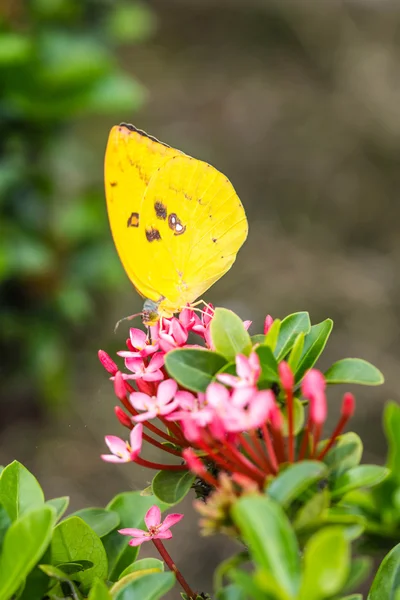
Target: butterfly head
150,314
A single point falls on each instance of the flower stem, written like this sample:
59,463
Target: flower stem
172,566
158,466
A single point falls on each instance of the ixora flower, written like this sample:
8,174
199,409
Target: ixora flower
123,452
156,529
139,345
162,403
233,426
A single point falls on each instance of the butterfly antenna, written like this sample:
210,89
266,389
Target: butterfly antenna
126,319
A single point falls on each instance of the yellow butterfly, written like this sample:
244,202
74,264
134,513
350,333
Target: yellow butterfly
177,222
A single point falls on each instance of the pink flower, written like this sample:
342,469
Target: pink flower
193,414
123,452
259,408
140,344
156,529
151,372
189,319
313,388
161,404
174,336
248,372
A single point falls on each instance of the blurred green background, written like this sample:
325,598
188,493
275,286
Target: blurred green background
297,101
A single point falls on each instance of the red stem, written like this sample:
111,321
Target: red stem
270,449
289,404
251,452
255,472
159,466
338,430
304,443
261,450
172,566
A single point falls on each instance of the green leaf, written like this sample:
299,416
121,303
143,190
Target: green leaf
391,420
271,339
298,417
360,568
290,328
231,592
296,351
314,344
259,338
99,591
311,512
131,22
269,366
24,544
131,508
357,477
102,521
59,504
326,564
294,480
387,579
142,565
19,490
229,337
73,540
148,587
346,453
193,369
227,565
54,572
271,540
354,370
171,487
352,597
5,523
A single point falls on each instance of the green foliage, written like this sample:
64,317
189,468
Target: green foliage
77,557
171,487
193,368
229,337
57,64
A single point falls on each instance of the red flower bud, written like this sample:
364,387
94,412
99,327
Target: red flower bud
286,376
268,323
119,386
107,362
348,405
123,417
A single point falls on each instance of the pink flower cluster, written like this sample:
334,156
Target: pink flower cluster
241,429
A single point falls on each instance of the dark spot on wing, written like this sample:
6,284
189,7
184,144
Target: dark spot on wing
133,220
113,183
161,210
214,240
175,224
152,234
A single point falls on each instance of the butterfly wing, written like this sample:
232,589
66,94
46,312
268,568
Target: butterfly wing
131,159
194,224
177,222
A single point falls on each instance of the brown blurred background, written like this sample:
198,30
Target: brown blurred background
298,103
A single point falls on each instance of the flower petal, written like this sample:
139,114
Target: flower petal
154,376
138,338
136,440
170,520
140,401
231,380
217,394
113,459
133,532
153,517
138,541
166,391
156,362
163,535
116,445
136,365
